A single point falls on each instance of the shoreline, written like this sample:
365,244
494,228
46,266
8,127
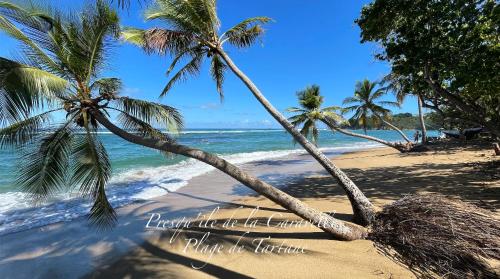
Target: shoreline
384,175
71,249
131,186
89,249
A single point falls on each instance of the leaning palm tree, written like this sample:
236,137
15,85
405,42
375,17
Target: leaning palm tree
366,106
402,88
310,112
61,62
192,34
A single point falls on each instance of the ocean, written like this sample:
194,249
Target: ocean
140,173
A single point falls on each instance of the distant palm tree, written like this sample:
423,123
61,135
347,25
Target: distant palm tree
310,112
59,70
402,88
193,34
368,107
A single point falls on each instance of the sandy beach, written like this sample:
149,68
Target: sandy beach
339,139
383,174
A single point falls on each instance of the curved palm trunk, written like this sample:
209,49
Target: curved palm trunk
362,208
422,121
398,146
393,127
322,220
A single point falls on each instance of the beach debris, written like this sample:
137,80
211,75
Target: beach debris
438,237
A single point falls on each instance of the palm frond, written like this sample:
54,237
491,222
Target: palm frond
390,104
98,23
310,98
197,16
134,36
24,89
245,33
349,109
295,109
377,109
377,94
25,131
190,52
298,119
191,68
125,4
163,41
43,170
34,36
107,86
91,171
332,108
131,123
332,116
308,130
217,70
152,113
351,100
314,134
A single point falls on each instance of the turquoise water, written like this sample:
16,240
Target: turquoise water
140,173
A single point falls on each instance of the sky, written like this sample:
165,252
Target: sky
309,42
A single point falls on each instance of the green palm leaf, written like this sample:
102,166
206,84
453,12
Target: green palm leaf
92,170
152,113
245,33
99,24
298,119
190,69
134,36
295,109
24,88
43,170
25,131
217,70
128,122
107,86
37,22
310,99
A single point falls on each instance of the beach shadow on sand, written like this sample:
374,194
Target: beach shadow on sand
467,181
152,259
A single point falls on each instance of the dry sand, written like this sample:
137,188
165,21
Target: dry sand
471,174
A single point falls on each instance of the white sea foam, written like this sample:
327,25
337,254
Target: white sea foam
17,212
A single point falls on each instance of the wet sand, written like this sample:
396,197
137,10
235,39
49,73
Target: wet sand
471,174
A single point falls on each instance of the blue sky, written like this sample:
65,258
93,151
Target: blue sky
310,42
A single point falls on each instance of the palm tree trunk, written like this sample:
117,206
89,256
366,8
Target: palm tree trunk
398,146
393,127
322,220
422,121
362,208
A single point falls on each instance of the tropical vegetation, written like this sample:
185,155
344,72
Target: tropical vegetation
310,112
60,70
193,34
367,104
447,51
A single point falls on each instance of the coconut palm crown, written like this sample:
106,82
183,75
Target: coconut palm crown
59,69
192,34
366,103
310,112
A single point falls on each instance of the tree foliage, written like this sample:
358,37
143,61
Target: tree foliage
62,58
310,112
192,35
367,104
450,49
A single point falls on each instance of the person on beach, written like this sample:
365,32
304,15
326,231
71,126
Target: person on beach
416,136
